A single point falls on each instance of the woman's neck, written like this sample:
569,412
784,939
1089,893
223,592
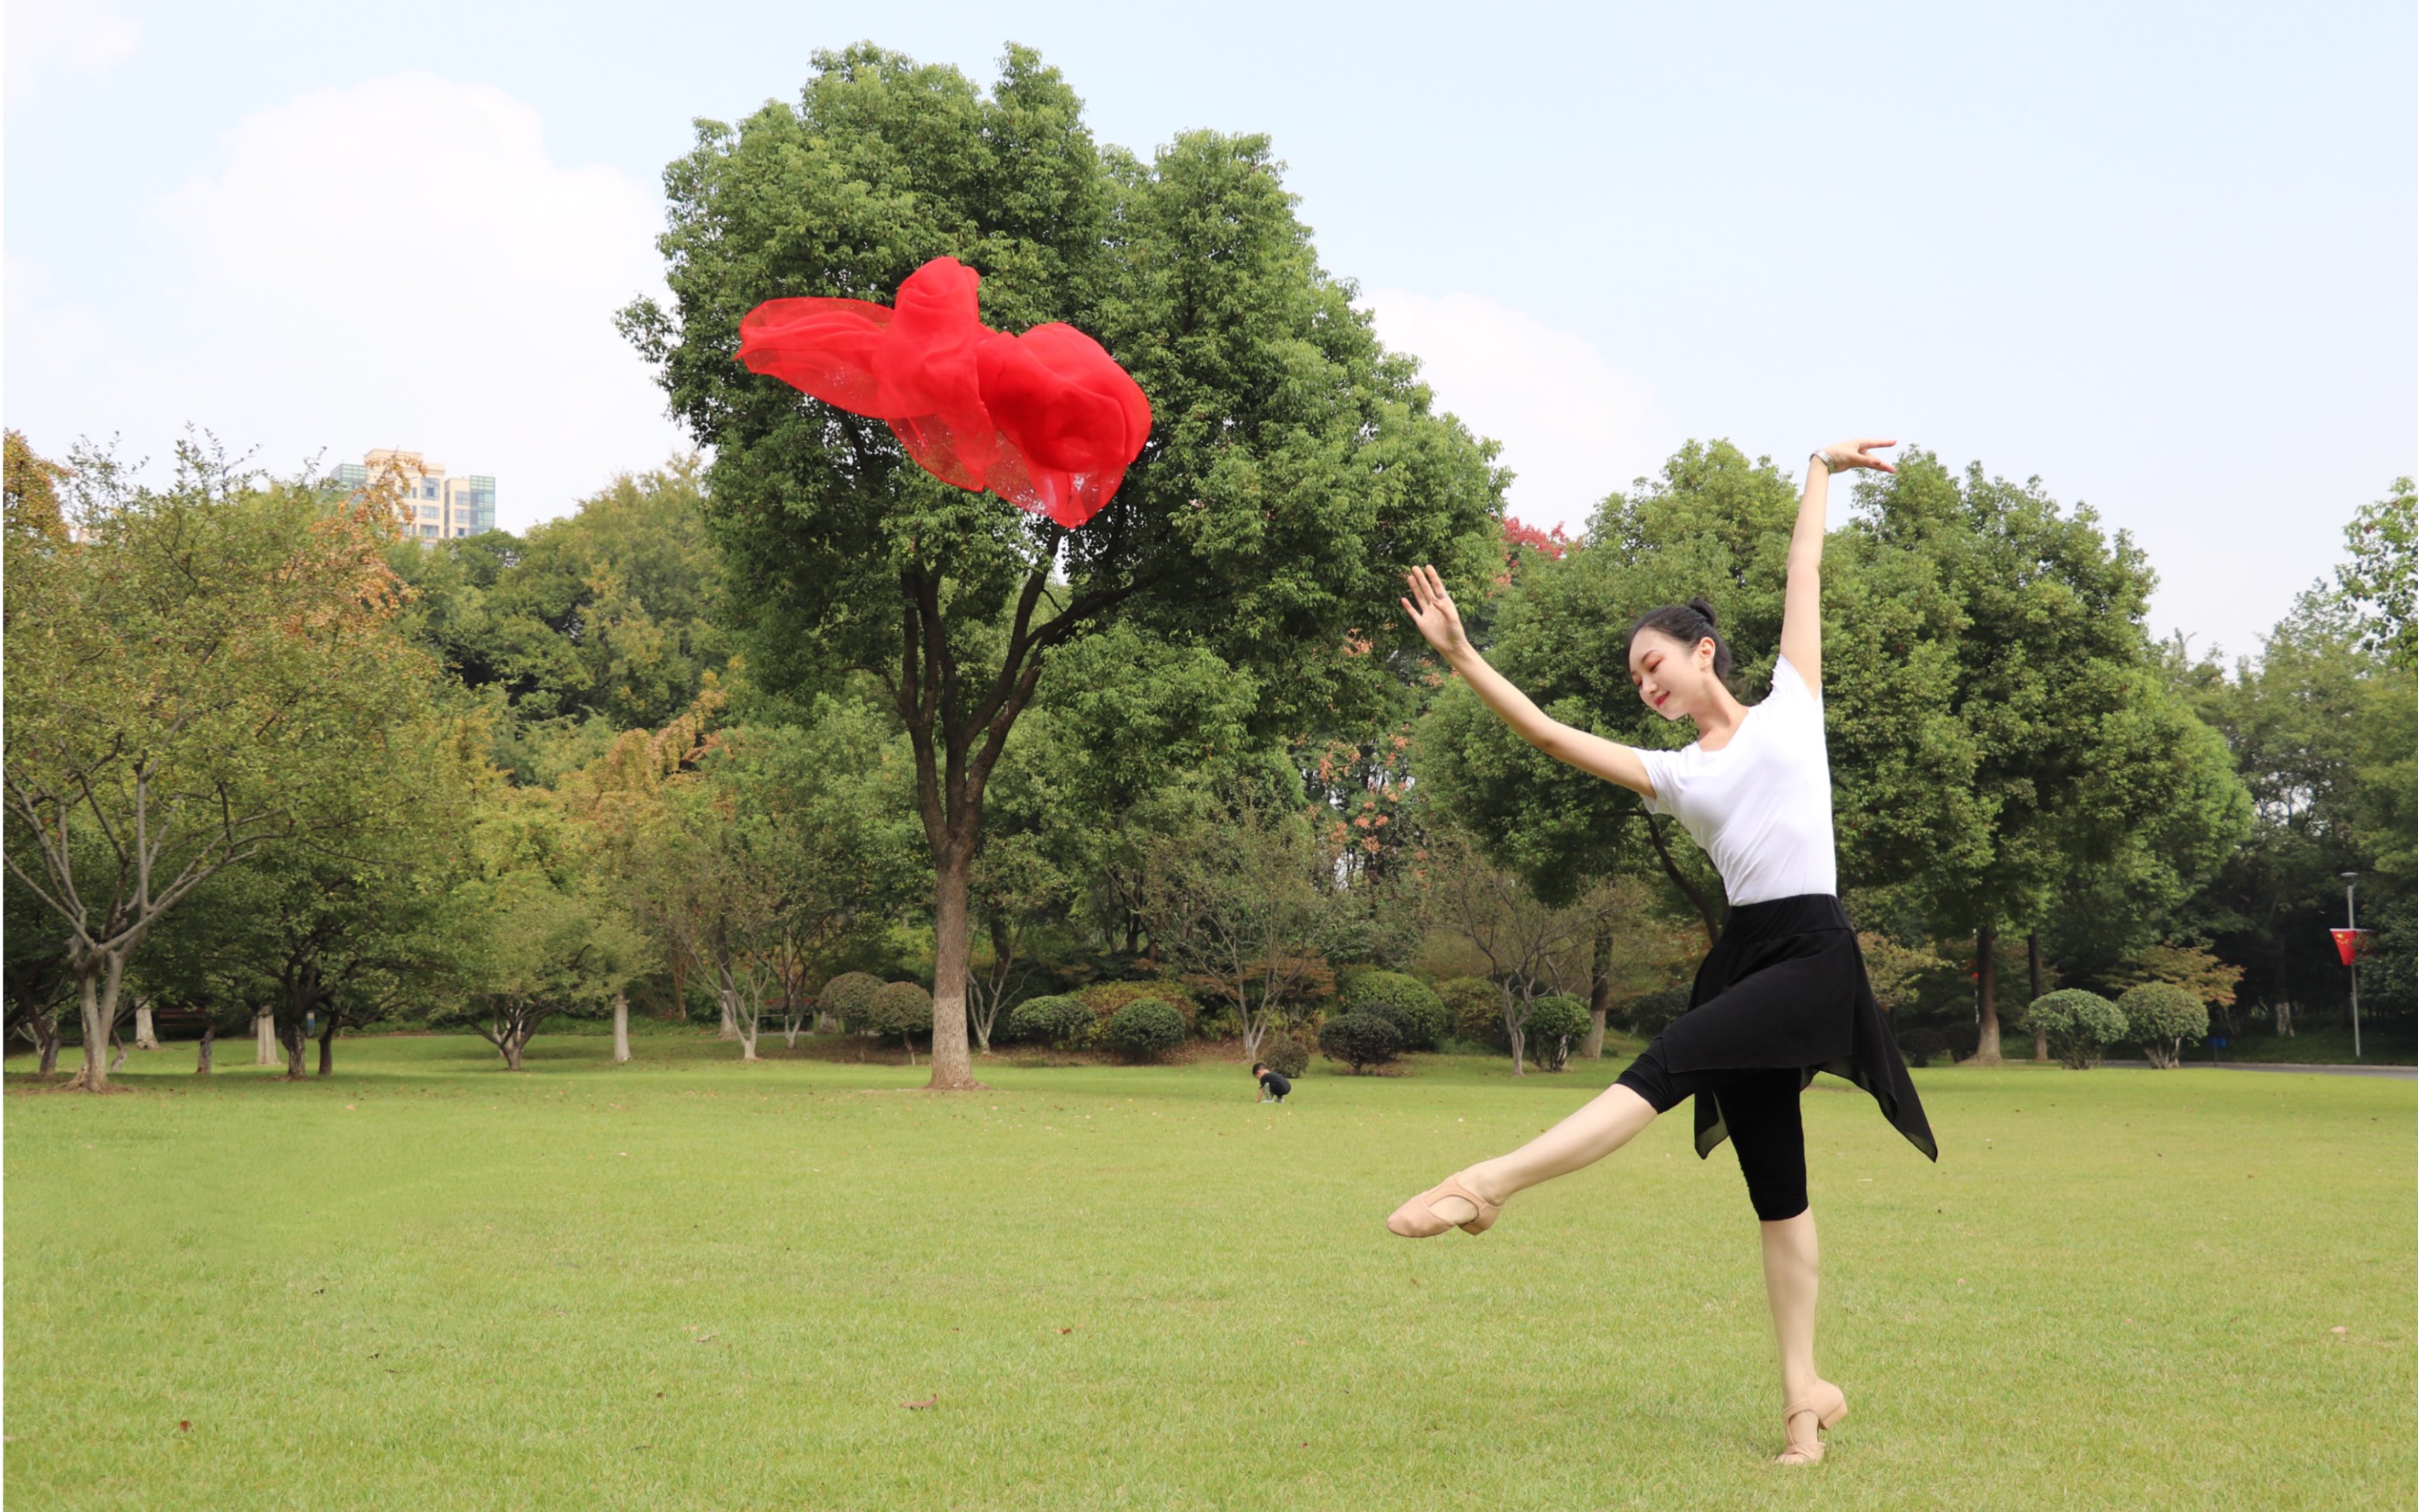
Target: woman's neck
1718,725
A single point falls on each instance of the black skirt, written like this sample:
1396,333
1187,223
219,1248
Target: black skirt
1785,987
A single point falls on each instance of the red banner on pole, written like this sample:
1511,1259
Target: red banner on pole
2348,944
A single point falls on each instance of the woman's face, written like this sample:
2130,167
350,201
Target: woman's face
1675,678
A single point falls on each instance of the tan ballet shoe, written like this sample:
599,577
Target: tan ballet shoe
1827,1404
1417,1219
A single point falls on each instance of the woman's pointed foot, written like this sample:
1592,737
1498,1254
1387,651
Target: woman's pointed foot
1804,1420
1452,1203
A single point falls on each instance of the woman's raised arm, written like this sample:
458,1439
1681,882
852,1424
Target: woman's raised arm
1800,620
1432,609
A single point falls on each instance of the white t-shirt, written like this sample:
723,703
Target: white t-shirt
1760,805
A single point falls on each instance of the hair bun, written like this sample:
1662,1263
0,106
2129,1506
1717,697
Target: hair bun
1705,609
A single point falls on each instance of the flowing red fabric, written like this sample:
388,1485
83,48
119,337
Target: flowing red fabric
1047,421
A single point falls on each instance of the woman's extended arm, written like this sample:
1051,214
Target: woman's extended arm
1800,620
1440,622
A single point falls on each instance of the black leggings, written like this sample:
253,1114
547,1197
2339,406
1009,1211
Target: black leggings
1759,1107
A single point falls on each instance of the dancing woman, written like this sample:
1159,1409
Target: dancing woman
1782,995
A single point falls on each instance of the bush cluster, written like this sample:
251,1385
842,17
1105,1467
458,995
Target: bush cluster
1146,1029
1061,1021
2079,1025
1405,1001
1472,1009
900,1009
2159,1017
1105,999
1284,1054
848,995
1557,1025
1360,1040
1920,1046
1649,1014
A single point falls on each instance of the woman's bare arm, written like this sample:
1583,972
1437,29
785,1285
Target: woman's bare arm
1432,609
1800,620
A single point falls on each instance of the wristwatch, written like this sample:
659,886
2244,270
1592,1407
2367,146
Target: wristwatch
1824,458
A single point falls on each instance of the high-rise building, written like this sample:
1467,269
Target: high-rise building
435,507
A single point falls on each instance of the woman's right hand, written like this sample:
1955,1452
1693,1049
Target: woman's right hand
1432,609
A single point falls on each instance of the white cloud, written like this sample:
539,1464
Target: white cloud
86,36
398,263
1573,427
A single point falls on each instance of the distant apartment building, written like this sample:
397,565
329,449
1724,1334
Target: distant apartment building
435,507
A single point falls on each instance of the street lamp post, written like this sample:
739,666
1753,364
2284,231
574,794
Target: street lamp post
2351,919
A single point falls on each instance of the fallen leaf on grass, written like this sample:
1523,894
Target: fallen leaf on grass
185,1424
1066,1330
917,1407
2338,1329
707,1338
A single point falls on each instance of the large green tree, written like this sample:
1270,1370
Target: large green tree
1295,467
2379,582
2087,765
603,621
189,678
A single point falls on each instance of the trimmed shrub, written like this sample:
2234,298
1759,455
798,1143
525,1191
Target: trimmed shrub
848,995
2159,1017
1107,999
1473,1008
1146,1029
1410,1003
1963,1037
1284,1054
900,1009
1920,1046
1360,1040
1053,1020
1557,1025
2079,1025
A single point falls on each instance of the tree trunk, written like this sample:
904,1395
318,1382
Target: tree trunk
210,1036
97,1007
263,1035
327,1048
1003,955
46,1039
2040,1036
146,1037
512,1045
2283,988
952,1068
1599,991
1987,948
730,1015
621,1027
294,1043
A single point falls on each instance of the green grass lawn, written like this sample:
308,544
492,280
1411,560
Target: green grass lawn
687,1283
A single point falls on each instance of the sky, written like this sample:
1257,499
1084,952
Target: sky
2157,256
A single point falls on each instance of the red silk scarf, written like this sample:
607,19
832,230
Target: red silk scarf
1047,421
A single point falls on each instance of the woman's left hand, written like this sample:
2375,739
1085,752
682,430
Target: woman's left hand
1846,456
